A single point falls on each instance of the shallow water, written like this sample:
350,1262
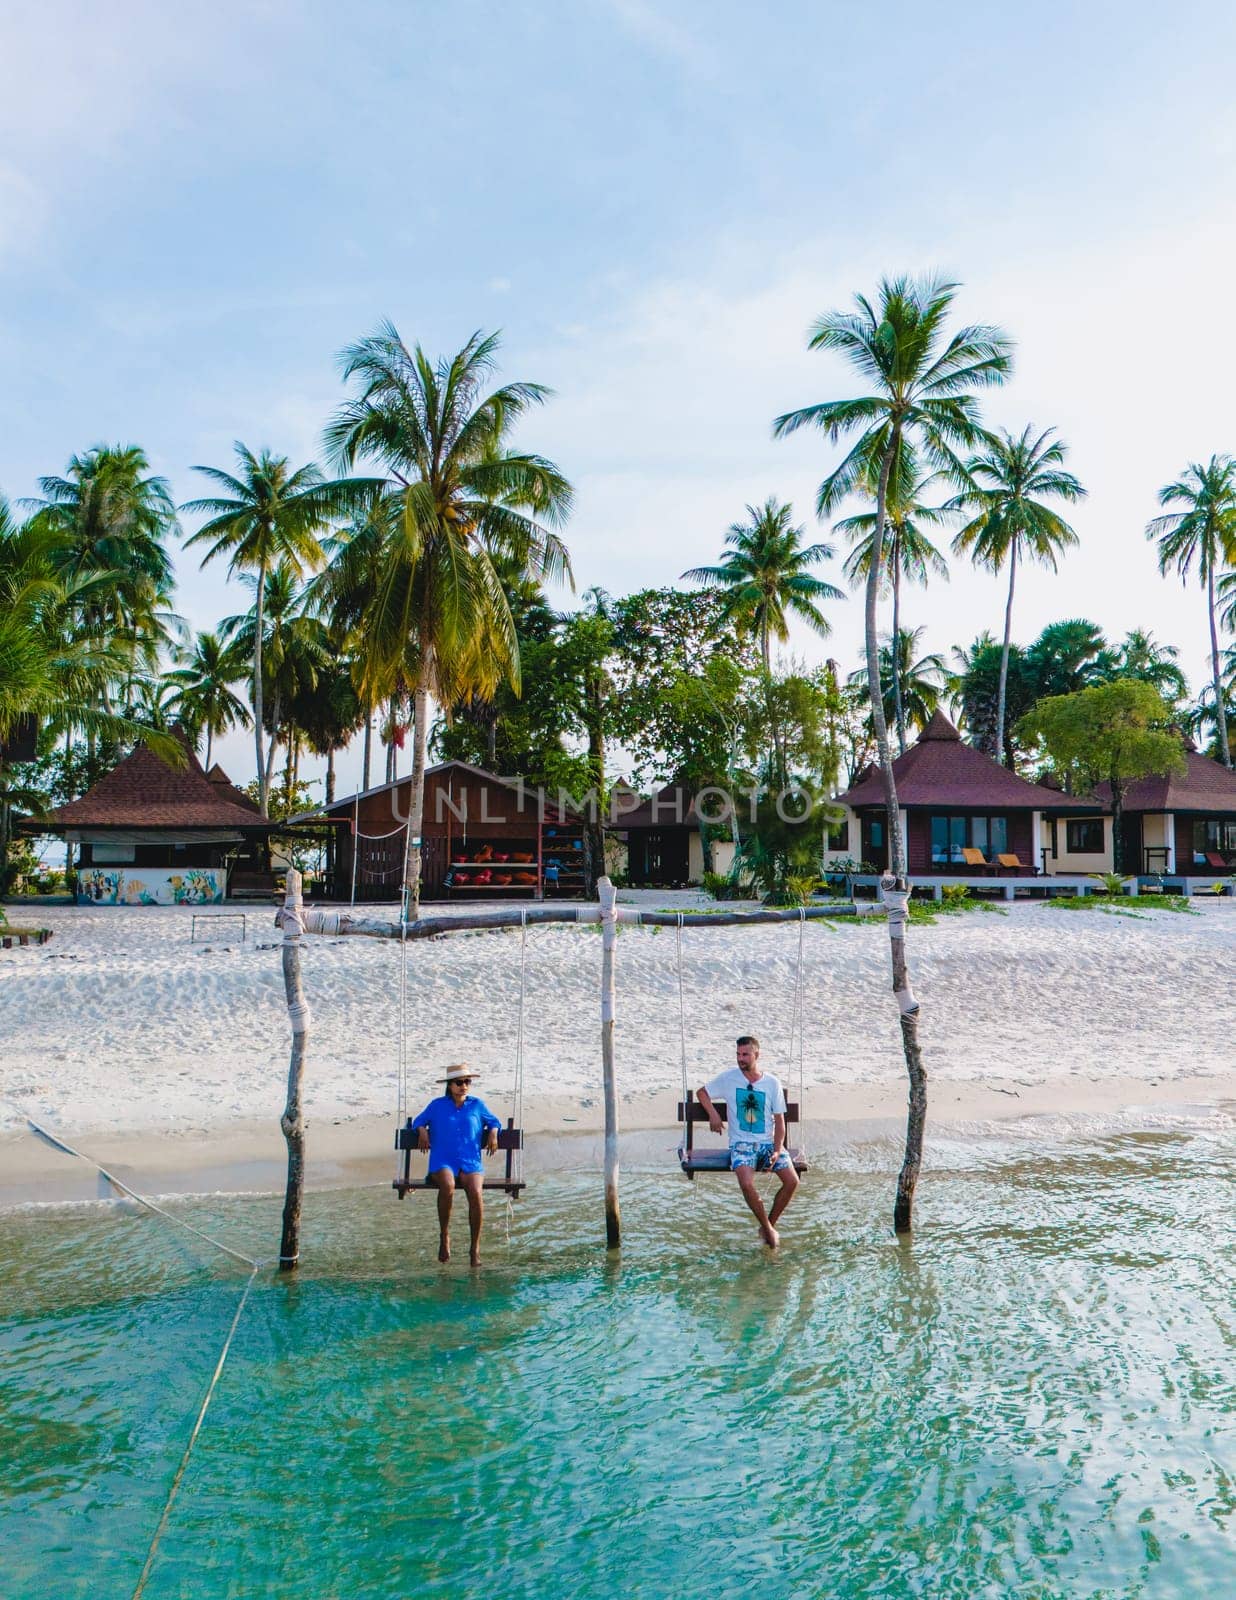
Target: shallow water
1037,1398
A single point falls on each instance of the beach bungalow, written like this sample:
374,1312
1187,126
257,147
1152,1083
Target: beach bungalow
148,833
1181,824
961,811
662,833
482,836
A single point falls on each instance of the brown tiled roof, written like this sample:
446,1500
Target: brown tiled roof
941,770
670,807
1204,785
227,790
142,791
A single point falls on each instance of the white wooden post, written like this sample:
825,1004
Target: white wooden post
1169,839
608,896
292,920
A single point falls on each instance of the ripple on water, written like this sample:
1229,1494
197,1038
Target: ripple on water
1036,1398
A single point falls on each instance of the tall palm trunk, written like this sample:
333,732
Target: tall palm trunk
416,810
210,737
895,553
1002,692
898,899
263,776
330,776
778,751
366,749
273,748
1220,709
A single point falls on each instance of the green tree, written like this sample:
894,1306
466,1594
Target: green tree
1140,655
1007,486
909,555
202,697
264,514
1202,530
456,496
923,681
764,578
974,688
1112,733
922,393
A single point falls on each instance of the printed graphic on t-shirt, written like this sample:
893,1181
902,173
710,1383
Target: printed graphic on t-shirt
749,1110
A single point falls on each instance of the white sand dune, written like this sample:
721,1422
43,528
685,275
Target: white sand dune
120,1023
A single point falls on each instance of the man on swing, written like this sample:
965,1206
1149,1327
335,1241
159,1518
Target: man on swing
455,1128
755,1112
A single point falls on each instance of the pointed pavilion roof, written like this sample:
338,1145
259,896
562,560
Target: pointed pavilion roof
143,791
941,770
1204,785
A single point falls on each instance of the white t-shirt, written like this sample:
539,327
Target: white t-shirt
750,1106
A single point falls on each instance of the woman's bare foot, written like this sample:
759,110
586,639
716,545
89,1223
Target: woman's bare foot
474,1258
770,1236
444,1250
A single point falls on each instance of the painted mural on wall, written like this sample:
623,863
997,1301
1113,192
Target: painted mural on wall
142,886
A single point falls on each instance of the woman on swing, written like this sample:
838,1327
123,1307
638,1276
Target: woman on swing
456,1129
755,1114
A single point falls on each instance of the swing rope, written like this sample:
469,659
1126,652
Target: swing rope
517,1098
800,1008
682,1018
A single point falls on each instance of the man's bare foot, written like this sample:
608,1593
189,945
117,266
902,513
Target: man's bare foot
770,1236
474,1258
444,1250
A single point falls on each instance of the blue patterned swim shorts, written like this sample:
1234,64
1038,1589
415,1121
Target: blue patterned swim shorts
752,1153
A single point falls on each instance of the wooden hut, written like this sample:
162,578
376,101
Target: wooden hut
954,800
1181,823
664,846
149,833
481,836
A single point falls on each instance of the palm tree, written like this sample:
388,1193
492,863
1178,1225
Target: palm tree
923,385
264,513
456,496
202,695
908,554
764,579
923,682
1005,487
1203,530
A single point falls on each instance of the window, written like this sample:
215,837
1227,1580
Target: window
1084,836
951,835
838,836
1213,836
107,853
875,834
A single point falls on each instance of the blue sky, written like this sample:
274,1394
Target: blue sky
201,204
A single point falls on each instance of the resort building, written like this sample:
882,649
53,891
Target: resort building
961,812
1181,823
149,833
662,833
481,836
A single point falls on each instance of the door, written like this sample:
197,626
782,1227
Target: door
875,840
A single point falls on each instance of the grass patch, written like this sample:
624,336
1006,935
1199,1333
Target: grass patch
1089,902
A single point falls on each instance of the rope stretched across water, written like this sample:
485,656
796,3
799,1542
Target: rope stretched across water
255,1266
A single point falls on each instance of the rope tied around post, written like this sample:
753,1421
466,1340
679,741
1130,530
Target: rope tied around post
897,901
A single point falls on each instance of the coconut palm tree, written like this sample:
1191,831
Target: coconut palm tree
922,394
923,681
263,514
202,695
1006,486
908,554
454,497
764,579
1202,530
1140,655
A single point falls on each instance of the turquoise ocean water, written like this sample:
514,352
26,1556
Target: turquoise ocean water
1037,1398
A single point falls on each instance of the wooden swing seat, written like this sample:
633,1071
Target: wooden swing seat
692,1160
510,1139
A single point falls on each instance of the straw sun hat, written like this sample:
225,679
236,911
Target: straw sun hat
460,1070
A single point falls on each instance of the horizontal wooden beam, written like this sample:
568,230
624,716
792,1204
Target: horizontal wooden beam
340,923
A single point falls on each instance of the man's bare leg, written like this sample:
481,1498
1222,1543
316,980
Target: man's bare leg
789,1183
746,1182
445,1180
470,1183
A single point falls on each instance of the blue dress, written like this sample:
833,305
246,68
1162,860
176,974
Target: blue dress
456,1132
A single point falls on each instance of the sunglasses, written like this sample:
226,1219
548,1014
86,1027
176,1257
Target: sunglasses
462,1082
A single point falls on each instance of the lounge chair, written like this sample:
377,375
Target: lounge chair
1213,859
976,858
1011,862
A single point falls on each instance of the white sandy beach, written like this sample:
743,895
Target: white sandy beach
124,1035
